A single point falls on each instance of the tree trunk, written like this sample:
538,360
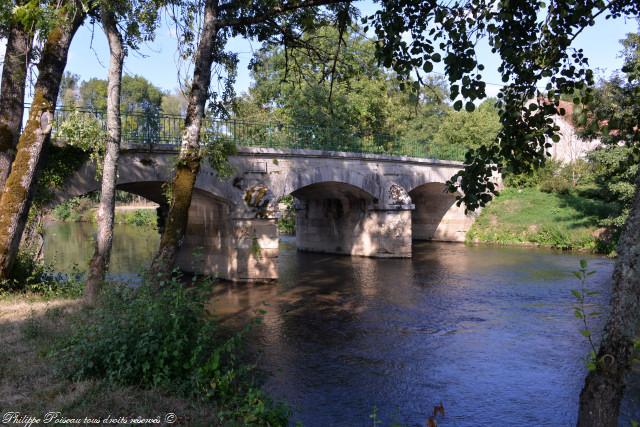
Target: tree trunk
106,210
188,164
14,201
603,389
14,77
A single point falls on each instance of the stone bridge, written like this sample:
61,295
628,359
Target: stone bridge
346,203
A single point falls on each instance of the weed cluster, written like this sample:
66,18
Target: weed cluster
162,338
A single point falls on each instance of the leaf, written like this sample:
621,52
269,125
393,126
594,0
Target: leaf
583,263
457,105
585,332
469,106
427,67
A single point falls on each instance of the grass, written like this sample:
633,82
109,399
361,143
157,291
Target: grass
532,217
84,210
29,383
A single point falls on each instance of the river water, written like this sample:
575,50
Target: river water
487,331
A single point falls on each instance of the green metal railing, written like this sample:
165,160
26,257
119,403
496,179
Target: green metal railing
162,129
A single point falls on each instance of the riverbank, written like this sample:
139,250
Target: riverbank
30,327
530,217
85,210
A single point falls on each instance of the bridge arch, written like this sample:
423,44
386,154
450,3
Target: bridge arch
339,217
365,181
436,216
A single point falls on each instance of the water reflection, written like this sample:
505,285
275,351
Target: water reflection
69,247
490,332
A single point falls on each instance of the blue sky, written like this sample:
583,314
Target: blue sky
157,61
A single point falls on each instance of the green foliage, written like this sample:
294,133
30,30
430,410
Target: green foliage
85,132
64,210
77,209
68,93
93,95
287,220
583,311
553,177
32,14
163,338
217,154
138,94
556,184
469,129
137,217
29,275
614,172
349,94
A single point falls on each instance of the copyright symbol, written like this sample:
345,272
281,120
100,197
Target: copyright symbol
170,418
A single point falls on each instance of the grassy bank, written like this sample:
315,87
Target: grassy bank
533,217
147,353
30,383
84,210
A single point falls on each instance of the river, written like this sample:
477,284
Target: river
487,331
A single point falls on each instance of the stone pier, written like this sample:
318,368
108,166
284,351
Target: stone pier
232,244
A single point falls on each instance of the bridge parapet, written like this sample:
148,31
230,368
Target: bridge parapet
153,128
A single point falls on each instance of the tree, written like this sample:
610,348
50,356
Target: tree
469,129
534,43
15,199
266,21
138,94
20,25
93,94
350,92
614,109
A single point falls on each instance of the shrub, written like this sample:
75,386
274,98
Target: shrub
287,222
553,177
64,210
556,184
162,338
77,209
30,275
138,217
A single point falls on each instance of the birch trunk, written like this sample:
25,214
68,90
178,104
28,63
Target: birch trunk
188,164
106,210
14,201
603,389
14,77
